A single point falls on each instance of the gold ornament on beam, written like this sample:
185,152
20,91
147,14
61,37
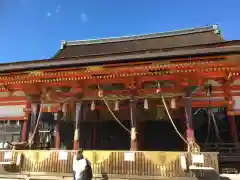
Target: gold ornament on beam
100,93
35,73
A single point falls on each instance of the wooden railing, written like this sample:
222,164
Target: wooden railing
104,163
229,156
220,147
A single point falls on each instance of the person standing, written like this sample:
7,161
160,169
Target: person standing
82,169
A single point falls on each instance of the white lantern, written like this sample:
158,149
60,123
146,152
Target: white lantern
116,106
173,104
146,104
93,106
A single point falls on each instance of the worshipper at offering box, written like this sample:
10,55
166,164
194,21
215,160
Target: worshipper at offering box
82,169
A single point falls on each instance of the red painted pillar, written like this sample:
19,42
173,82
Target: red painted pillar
183,126
33,134
58,138
24,131
95,130
141,127
77,125
57,117
37,135
94,135
24,126
233,128
188,117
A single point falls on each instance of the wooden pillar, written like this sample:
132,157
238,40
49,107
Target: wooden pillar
25,125
134,141
231,116
77,125
32,123
182,119
233,128
188,115
141,127
58,117
24,131
37,135
95,130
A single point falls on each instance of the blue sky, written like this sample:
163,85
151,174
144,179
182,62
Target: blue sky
33,29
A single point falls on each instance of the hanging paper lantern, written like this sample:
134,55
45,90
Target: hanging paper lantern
146,104
173,104
116,106
93,106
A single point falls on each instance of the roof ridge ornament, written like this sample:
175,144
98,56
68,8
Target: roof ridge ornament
216,29
63,44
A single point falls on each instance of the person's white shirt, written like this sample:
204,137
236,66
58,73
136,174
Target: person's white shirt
79,166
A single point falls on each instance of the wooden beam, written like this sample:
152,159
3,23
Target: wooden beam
118,69
13,100
89,79
57,96
197,104
14,118
224,58
145,92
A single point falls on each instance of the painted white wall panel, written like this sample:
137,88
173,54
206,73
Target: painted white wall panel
12,111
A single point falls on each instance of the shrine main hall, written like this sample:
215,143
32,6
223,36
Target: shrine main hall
146,92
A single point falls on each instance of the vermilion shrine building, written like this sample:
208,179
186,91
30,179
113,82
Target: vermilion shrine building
68,101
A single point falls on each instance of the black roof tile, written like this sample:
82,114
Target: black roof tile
189,37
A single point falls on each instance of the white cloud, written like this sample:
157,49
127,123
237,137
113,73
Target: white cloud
58,8
84,17
48,14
